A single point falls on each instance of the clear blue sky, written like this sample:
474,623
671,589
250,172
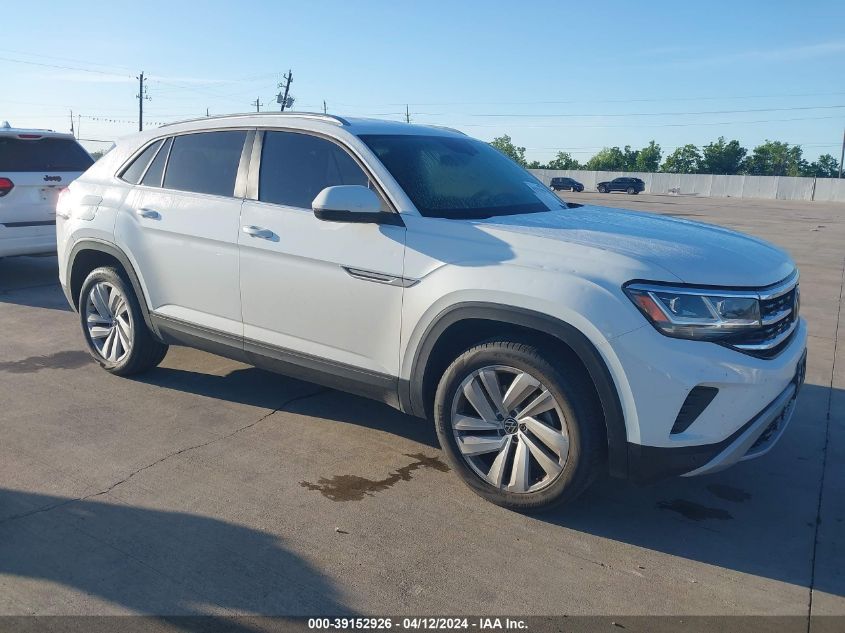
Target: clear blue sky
522,68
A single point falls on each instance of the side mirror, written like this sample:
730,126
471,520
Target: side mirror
351,203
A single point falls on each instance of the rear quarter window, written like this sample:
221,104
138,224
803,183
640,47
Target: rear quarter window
45,154
136,169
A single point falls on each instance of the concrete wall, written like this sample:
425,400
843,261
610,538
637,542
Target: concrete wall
767,187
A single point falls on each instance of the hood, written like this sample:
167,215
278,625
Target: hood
694,252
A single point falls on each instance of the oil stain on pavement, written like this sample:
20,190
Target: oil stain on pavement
729,493
71,359
355,488
694,511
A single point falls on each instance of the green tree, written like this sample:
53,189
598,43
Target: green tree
626,159
684,160
563,160
505,145
536,164
720,157
608,159
775,158
825,166
630,158
648,158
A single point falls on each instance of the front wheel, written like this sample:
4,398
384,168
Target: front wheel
520,431
602,189
117,335
631,191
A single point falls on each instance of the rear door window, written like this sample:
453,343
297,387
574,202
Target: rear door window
45,154
206,162
136,169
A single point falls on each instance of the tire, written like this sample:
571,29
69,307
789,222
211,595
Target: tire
114,328
631,191
565,471
602,189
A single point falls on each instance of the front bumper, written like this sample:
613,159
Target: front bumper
753,439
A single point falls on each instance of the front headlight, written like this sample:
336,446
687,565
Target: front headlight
696,313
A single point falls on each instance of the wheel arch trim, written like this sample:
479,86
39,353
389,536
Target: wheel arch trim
112,250
411,394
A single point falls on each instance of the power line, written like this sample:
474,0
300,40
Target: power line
711,97
626,114
64,59
647,125
79,68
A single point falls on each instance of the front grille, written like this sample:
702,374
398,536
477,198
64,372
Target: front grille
779,306
770,308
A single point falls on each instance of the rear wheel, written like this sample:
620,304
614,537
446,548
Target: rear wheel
519,431
114,327
631,191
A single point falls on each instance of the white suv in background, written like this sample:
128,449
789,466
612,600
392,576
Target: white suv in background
417,266
35,165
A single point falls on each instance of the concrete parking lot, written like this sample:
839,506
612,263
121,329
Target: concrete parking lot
211,487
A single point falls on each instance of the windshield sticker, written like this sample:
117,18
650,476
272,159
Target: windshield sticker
544,195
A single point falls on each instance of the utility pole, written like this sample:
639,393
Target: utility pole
325,110
842,154
71,124
407,114
206,112
283,98
257,103
141,96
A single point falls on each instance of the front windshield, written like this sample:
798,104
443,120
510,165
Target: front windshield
448,177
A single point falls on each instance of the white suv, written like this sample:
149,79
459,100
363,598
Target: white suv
417,266
35,165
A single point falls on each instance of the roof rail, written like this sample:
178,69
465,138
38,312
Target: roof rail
331,118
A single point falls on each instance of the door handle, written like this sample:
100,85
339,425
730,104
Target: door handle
257,231
150,214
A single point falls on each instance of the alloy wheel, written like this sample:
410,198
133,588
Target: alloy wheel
510,429
109,321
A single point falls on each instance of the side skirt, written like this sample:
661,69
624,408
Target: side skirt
361,382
